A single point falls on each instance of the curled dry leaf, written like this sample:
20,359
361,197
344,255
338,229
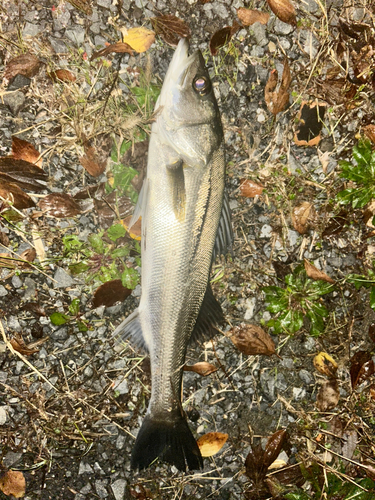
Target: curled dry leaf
277,99
249,188
325,364
117,48
250,16
211,443
328,395
369,131
284,10
302,217
59,205
336,224
136,229
310,123
20,346
274,446
91,162
24,150
202,368
63,75
315,274
170,28
139,39
361,367
222,37
13,483
28,255
252,340
26,64
21,172
13,195
109,293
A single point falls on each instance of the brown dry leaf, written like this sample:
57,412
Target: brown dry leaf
24,150
211,443
277,99
369,131
249,188
139,39
361,367
336,224
91,162
109,293
310,123
12,194
250,16
274,446
135,231
328,395
26,64
284,10
28,255
252,340
117,48
222,37
59,205
23,173
302,216
315,274
13,483
63,75
325,364
7,261
20,346
202,368
170,28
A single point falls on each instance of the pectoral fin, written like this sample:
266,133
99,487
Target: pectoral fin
177,185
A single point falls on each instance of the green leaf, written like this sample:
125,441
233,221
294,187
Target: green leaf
362,153
78,268
125,145
97,243
72,244
74,307
316,323
82,327
58,319
320,287
120,252
372,298
116,231
130,278
276,305
298,495
344,197
273,292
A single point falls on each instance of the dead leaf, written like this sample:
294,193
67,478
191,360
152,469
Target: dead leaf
63,75
4,239
170,28
250,16
222,37
202,368
249,188
139,39
117,48
361,368
277,99
371,331
349,443
325,364
284,10
274,446
23,173
12,194
7,261
28,255
369,131
91,163
38,244
111,206
24,150
211,443
20,346
59,205
328,395
310,123
303,216
13,483
135,231
252,340
109,293
336,224
315,274
26,64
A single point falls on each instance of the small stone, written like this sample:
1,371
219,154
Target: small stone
18,82
15,101
266,231
298,393
85,468
59,46
260,34
121,386
272,47
3,291
16,281
3,415
118,489
76,35
30,29
281,28
100,487
250,307
305,376
62,279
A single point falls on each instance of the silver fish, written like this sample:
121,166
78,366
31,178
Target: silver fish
185,224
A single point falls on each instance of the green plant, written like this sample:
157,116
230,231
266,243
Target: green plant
359,280
101,258
59,319
362,172
300,298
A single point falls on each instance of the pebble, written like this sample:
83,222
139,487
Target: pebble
118,489
3,415
3,291
101,488
62,279
85,468
16,100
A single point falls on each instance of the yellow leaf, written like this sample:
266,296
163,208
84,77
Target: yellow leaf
139,39
211,443
325,364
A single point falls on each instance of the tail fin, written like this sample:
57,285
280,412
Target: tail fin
170,440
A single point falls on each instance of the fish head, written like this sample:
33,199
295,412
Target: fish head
188,117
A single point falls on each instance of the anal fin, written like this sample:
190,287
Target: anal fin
131,329
210,314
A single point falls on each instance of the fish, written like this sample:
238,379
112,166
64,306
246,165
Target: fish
185,224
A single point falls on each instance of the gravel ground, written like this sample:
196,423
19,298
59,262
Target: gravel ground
72,431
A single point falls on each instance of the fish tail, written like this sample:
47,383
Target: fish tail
169,439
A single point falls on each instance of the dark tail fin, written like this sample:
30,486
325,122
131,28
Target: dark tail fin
167,439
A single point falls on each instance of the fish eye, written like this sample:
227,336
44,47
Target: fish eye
201,85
